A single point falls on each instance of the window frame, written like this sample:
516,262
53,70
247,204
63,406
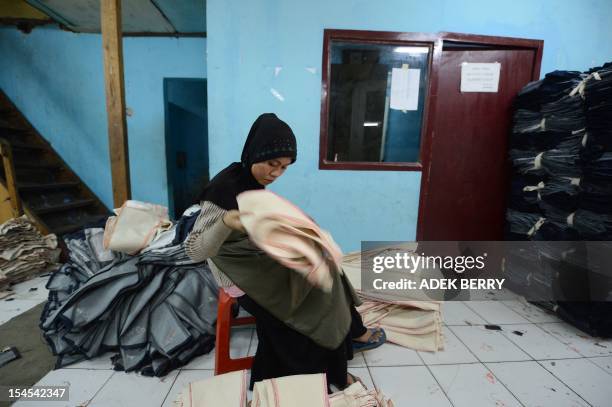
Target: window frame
378,38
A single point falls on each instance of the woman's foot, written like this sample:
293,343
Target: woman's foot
351,379
370,333
371,339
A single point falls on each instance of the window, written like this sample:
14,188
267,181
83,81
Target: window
374,97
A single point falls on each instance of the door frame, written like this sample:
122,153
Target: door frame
168,130
469,40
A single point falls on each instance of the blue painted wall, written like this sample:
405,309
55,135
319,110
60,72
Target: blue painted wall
57,79
249,40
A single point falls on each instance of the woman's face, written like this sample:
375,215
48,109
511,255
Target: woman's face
266,172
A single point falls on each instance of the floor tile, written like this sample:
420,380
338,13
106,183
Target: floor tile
457,313
533,385
409,386
454,351
584,378
240,341
98,363
531,312
131,389
495,312
23,290
604,362
10,309
253,344
364,374
84,384
182,380
489,345
583,343
358,360
472,386
538,343
392,355
202,362
494,295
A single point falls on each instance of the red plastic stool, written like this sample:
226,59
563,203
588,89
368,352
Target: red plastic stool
225,321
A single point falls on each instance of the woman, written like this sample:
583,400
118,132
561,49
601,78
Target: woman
300,329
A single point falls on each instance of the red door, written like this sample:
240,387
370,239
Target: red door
465,179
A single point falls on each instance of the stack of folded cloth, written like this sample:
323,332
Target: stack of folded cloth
24,252
594,218
545,151
410,319
156,310
308,390
290,236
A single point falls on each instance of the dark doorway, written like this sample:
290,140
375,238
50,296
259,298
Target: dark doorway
186,114
464,187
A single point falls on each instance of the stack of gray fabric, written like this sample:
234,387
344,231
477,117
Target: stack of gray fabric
24,252
157,309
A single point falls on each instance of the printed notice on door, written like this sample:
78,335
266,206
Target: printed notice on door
480,77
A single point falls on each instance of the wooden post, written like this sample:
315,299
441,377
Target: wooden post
9,175
115,99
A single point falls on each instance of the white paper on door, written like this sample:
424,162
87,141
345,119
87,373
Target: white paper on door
480,76
405,88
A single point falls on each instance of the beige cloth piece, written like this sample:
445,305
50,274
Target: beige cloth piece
290,236
310,390
227,390
411,319
135,226
292,391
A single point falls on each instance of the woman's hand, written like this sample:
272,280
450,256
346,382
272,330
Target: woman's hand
232,220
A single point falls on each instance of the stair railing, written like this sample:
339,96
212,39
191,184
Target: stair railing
9,173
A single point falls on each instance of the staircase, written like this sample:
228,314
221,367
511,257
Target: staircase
51,193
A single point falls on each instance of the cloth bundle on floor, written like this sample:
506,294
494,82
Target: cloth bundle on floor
411,319
135,226
290,236
24,252
157,309
309,390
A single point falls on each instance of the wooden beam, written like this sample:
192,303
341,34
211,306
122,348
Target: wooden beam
9,174
115,99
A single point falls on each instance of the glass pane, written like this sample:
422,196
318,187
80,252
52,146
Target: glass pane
363,124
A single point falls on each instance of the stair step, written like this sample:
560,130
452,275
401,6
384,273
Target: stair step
12,130
32,187
36,166
17,145
63,207
73,227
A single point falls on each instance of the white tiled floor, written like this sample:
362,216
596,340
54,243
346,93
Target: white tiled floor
550,364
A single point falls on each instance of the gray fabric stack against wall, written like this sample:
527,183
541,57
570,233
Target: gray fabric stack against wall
24,252
157,310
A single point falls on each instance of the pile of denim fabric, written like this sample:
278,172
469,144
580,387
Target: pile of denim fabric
561,188
156,310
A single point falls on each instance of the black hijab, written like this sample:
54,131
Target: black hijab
269,138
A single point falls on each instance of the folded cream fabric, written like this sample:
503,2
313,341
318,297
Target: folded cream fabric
410,319
292,391
227,390
290,236
135,226
309,390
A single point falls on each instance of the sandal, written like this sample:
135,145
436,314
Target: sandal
373,342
